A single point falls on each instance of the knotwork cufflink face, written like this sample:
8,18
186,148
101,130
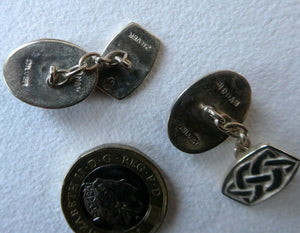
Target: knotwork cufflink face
212,109
260,173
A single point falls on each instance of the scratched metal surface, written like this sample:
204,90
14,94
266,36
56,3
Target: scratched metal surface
190,129
142,48
27,68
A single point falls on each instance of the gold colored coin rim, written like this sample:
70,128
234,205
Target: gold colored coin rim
132,153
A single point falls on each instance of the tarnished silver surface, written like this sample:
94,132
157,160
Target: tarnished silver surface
142,49
259,173
190,128
28,67
114,188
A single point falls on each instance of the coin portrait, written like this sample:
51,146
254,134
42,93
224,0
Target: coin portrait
114,188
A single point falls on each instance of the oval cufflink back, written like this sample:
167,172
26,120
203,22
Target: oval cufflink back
190,128
27,69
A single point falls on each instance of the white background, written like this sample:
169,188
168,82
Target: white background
259,39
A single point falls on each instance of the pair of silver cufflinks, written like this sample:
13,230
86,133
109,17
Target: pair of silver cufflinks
55,74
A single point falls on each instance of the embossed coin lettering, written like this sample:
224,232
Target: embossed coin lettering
27,68
108,190
189,128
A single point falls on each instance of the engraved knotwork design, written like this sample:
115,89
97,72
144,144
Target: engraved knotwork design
260,175
111,202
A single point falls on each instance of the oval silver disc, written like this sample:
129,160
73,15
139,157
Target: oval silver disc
142,48
27,68
190,128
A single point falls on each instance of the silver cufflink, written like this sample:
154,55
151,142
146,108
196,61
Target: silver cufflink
212,109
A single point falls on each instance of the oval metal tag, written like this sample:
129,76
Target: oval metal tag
190,129
142,48
27,68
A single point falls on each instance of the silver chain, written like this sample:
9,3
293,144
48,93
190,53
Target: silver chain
231,127
60,77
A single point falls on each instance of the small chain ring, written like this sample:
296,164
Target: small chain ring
225,123
102,60
88,55
221,121
242,144
119,57
114,58
75,70
235,129
53,78
232,128
243,139
217,117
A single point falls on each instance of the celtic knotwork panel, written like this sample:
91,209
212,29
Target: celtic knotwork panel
260,174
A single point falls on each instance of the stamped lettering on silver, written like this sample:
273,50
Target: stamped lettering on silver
226,93
139,41
78,83
26,74
142,49
189,135
189,129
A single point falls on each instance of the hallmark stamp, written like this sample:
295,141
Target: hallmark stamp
189,135
139,41
77,83
26,73
227,94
